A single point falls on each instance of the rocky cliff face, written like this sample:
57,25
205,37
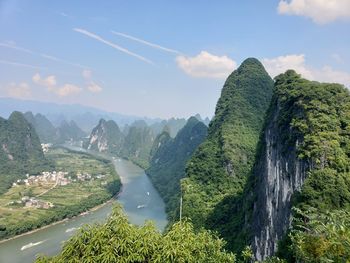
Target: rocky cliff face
105,137
279,174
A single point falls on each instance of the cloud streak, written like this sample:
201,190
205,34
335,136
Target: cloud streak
46,56
108,43
16,64
62,61
156,46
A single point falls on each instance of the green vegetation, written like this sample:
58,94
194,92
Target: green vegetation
119,241
49,134
138,144
169,157
43,127
321,237
106,137
318,114
135,146
68,200
20,151
221,165
68,131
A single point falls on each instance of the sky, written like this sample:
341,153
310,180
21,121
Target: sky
162,58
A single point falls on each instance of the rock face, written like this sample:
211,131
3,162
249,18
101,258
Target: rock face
279,174
106,137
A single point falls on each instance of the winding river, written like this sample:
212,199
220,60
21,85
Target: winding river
139,198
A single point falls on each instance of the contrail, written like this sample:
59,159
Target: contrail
11,63
62,61
146,42
98,38
49,57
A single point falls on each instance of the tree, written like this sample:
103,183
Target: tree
119,241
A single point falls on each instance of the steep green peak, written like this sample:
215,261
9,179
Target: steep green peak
245,96
113,125
192,120
251,64
17,118
102,121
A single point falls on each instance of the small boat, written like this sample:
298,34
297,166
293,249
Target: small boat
31,244
147,193
141,206
71,229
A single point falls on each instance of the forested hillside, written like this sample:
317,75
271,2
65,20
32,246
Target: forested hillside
221,165
20,150
169,157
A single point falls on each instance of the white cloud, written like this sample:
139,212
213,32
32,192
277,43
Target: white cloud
87,73
94,88
108,43
280,64
320,11
68,89
146,42
21,90
49,82
206,65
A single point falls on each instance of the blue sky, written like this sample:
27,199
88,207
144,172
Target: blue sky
163,58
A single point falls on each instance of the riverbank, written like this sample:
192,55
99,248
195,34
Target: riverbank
63,220
89,181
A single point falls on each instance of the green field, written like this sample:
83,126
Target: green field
68,200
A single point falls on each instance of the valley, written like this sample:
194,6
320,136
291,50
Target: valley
52,237
80,183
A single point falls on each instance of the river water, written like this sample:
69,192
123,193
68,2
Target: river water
139,198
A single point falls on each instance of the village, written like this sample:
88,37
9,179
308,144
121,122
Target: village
57,178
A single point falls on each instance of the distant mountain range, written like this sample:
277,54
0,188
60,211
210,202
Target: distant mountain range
85,117
66,131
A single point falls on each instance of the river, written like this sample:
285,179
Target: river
139,198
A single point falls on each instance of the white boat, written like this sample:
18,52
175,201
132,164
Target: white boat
31,244
141,206
71,229
147,193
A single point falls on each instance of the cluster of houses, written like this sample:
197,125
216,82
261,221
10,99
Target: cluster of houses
60,178
46,147
35,203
